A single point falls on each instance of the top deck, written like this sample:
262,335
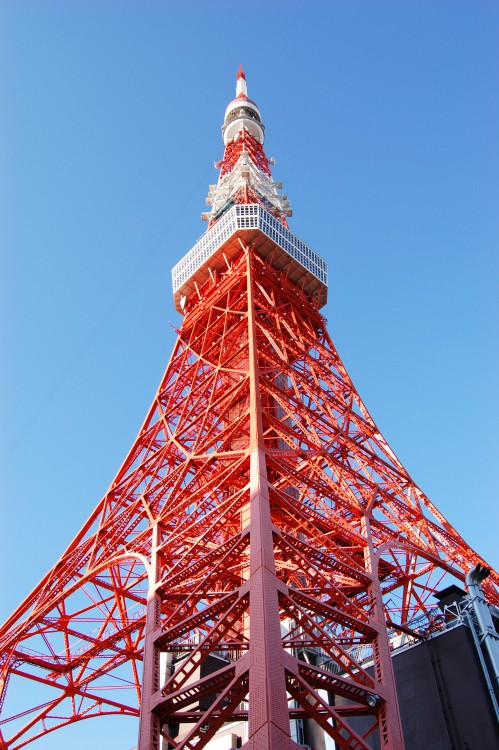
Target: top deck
246,221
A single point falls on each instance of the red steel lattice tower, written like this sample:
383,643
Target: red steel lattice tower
261,543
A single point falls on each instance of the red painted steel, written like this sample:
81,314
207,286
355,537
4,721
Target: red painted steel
260,518
246,142
255,419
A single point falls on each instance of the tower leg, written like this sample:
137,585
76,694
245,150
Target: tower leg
390,729
268,715
149,725
269,727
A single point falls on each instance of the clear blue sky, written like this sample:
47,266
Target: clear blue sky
383,118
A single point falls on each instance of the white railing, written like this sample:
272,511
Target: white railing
247,216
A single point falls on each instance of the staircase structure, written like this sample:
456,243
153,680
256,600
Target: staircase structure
262,548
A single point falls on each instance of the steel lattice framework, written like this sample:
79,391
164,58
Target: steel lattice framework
261,517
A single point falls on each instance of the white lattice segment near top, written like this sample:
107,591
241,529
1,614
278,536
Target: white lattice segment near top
246,173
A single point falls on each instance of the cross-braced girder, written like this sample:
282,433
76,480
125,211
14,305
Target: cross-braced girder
344,553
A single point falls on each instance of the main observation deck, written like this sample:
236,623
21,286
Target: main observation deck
221,243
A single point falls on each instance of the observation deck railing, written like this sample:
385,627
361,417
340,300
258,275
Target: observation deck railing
240,219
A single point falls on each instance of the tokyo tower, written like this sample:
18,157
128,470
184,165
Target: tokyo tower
261,547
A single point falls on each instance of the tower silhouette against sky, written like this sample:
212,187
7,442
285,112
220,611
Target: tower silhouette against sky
261,544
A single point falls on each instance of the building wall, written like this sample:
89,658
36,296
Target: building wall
443,698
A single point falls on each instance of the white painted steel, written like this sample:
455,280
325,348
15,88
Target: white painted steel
247,216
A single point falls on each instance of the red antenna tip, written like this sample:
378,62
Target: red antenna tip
240,73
